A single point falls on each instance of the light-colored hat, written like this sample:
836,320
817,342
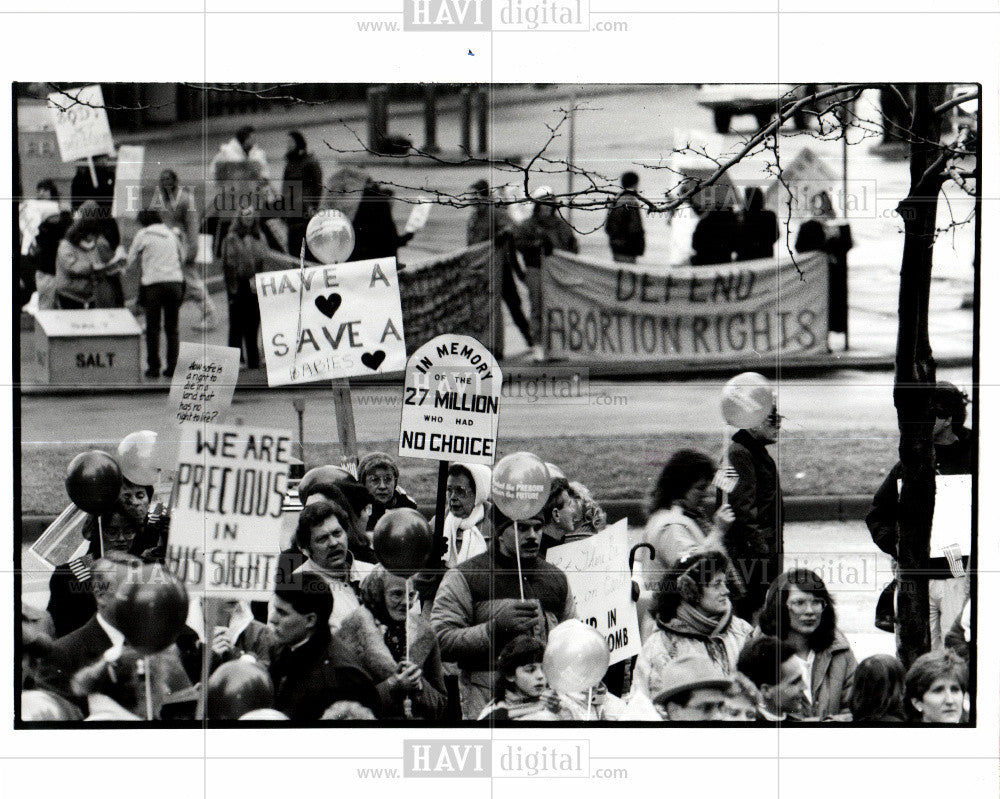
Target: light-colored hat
689,673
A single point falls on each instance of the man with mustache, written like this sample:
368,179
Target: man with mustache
478,608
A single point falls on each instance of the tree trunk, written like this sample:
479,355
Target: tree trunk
915,377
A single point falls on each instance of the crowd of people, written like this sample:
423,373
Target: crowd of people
726,634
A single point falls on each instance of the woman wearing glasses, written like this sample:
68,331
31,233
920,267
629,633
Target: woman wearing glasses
799,611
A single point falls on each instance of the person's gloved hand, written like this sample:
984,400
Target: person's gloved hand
516,617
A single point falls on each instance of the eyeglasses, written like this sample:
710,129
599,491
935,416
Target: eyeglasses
802,604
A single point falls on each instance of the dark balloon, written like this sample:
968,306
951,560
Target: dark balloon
402,541
151,611
236,688
93,481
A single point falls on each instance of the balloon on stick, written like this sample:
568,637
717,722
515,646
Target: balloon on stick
402,541
521,485
137,456
93,481
151,611
576,657
330,236
747,399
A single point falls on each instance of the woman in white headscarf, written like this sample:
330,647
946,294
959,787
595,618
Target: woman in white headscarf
467,525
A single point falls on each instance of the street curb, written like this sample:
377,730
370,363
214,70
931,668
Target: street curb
839,508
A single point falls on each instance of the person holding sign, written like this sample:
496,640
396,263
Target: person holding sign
376,634
487,601
693,617
949,578
308,670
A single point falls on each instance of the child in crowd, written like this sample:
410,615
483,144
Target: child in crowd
522,690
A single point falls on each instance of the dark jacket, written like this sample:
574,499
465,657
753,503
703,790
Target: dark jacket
71,603
754,541
624,226
309,679
302,184
400,499
375,234
71,653
714,239
756,235
882,518
50,232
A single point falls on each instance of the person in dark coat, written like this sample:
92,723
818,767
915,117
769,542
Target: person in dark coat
378,473
82,187
490,223
953,454
301,190
71,599
754,541
624,222
309,672
819,233
715,235
758,229
375,234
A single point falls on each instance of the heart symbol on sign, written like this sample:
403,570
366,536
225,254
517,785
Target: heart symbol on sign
373,360
328,305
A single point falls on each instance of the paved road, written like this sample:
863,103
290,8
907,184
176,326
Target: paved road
837,403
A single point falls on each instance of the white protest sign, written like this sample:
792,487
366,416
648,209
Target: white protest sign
225,524
952,523
598,574
418,216
326,322
202,387
81,123
127,199
451,402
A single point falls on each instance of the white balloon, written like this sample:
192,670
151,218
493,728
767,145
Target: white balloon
330,236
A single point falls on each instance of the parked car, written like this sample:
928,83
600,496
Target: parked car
760,100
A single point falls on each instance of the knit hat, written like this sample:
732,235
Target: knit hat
689,673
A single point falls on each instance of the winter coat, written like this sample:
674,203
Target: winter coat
714,239
301,185
361,635
673,640
624,226
757,232
833,678
400,499
179,212
882,519
754,542
471,595
311,677
375,234
77,272
243,257
672,533
241,179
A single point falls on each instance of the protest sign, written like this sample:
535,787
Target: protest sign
725,314
952,523
127,200
451,402
203,383
226,513
81,123
325,322
598,574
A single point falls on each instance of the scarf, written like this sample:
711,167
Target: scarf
473,542
688,620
